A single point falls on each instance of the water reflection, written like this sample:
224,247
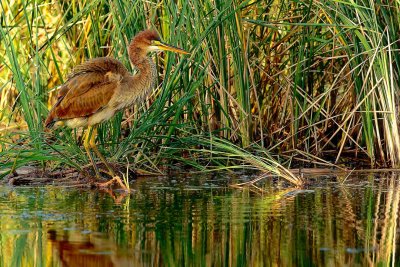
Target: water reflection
195,222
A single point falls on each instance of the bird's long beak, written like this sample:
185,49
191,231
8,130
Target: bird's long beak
166,47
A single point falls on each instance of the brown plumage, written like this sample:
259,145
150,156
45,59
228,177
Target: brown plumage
98,88
88,90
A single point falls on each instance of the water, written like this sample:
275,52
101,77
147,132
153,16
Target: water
199,221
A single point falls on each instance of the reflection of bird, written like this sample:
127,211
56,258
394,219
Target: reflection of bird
100,87
90,249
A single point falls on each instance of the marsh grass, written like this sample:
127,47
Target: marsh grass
294,79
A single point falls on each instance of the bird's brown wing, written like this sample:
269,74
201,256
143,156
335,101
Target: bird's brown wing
85,97
88,89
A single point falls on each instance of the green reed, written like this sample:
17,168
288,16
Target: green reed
303,80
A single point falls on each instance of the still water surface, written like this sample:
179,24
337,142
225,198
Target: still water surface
199,221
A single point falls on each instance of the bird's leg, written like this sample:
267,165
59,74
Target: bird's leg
86,143
93,146
115,178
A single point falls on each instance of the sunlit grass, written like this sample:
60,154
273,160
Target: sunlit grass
285,78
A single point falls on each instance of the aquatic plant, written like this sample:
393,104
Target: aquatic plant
312,82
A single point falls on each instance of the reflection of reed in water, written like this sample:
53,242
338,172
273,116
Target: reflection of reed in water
75,249
332,225
384,232
363,231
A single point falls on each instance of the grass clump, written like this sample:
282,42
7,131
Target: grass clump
297,79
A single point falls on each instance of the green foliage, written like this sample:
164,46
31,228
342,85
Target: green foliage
300,79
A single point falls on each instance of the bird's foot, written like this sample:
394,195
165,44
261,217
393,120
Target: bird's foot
115,179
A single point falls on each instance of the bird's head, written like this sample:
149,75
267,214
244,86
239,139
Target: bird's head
149,40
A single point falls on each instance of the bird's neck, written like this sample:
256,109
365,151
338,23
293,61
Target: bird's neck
144,64
143,81
147,71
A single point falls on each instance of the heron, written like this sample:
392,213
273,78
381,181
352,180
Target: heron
100,87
